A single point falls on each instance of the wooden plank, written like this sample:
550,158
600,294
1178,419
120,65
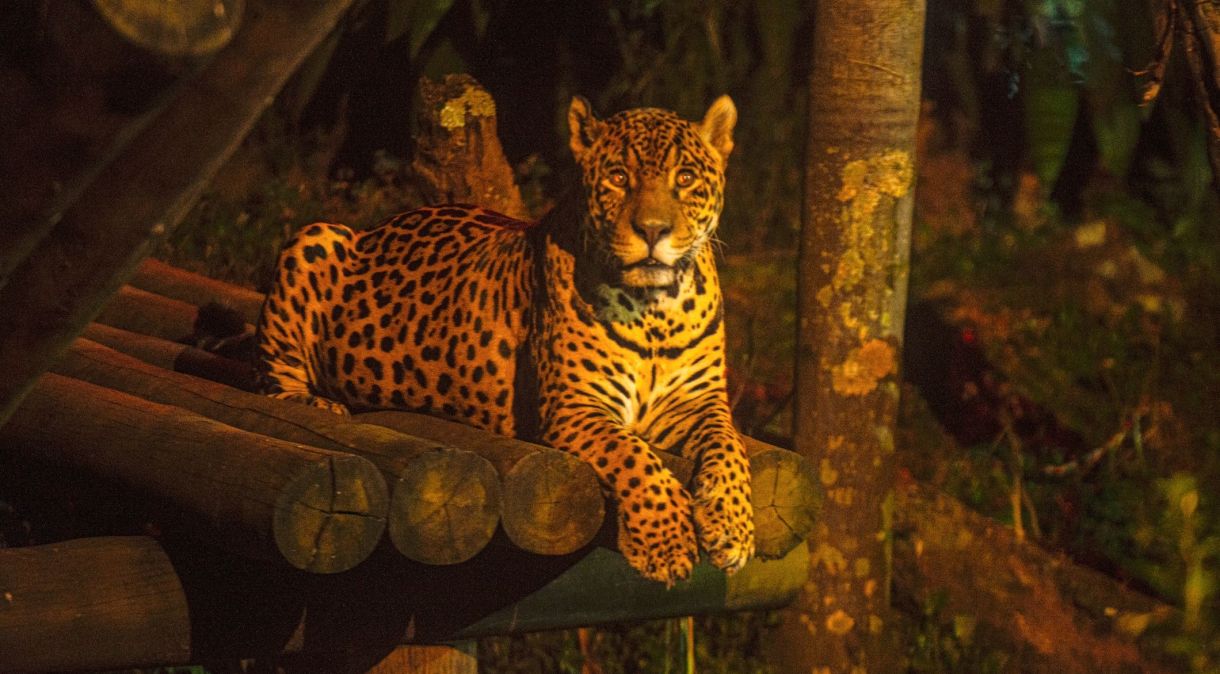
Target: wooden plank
603,588
64,281
98,603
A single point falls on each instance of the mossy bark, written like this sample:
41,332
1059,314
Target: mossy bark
852,278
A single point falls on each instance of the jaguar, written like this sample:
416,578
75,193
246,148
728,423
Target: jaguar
597,330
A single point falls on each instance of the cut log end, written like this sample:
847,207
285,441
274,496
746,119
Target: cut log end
445,507
786,499
552,503
328,518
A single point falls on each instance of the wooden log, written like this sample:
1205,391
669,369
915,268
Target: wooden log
458,158
169,355
445,508
552,504
158,277
95,245
102,603
149,313
317,510
786,497
1047,613
445,502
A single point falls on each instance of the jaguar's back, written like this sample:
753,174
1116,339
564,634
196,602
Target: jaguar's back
425,311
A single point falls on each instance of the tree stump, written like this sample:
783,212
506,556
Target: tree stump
458,158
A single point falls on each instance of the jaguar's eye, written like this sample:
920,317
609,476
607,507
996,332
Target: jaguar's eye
685,178
618,178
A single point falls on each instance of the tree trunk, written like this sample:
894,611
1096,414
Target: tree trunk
852,281
1200,27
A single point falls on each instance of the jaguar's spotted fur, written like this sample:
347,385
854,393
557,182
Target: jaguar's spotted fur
597,331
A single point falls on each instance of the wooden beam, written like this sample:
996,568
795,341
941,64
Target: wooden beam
95,603
314,509
67,277
445,502
603,588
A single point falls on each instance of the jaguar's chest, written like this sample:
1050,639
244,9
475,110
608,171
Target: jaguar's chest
640,360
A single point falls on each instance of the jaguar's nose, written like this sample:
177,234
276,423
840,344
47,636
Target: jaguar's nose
652,230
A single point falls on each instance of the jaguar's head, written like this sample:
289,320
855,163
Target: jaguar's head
653,187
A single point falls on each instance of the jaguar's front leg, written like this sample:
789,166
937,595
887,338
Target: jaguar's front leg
655,531
723,513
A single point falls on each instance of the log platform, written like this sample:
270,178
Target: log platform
445,501
315,509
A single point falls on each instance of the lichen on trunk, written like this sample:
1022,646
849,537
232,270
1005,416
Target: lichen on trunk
852,280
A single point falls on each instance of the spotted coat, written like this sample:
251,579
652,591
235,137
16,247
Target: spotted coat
598,331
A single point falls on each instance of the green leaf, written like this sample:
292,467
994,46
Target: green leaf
443,60
1117,130
417,19
1051,105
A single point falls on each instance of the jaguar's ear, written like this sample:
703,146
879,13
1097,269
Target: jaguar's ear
717,126
584,127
